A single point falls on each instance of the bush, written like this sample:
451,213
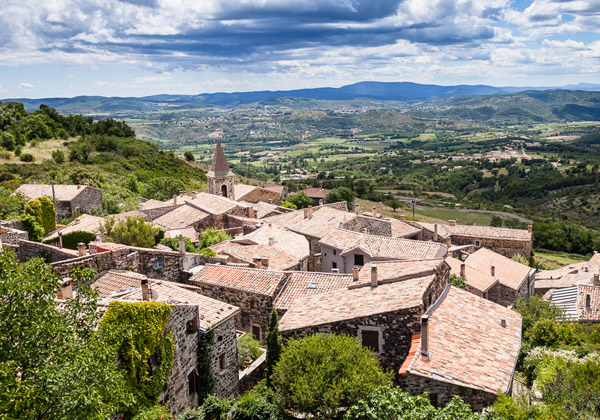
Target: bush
300,200
132,231
58,156
248,351
43,210
254,406
35,231
26,157
70,240
319,374
208,252
157,412
458,281
189,156
288,205
214,408
173,243
212,237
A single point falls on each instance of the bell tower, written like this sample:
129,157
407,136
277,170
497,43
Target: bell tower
220,178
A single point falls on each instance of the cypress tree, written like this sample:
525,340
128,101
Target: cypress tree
274,346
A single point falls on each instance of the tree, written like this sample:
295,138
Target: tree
394,203
132,231
164,188
7,141
496,221
173,243
341,194
300,200
212,237
189,156
274,346
42,209
288,205
53,364
58,156
458,281
318,374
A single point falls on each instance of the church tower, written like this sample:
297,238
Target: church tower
220,178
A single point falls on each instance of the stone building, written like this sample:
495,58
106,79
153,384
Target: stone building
376,225
68,199
11,236
192,315
504,241
478,282
343,249
220,179
579,303
317,195
567,276
253,194
466,346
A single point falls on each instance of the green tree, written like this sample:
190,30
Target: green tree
164,188
288,205
300,200
534,309
212,237
42,209
173,243
189,156
58,156
318,374
35,231
26,157
53,365
132,231
496,221
394,203
458,281
7,140
341,194
274,345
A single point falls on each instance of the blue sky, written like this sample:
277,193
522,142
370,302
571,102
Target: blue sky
145,47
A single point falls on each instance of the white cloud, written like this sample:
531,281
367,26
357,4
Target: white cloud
26,86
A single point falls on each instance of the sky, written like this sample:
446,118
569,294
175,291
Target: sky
65,48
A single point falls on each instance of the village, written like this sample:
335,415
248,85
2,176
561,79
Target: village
325,270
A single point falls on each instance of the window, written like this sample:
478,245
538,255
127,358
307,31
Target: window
256,332
312,286
359,259
222,363
333,265
433,397
192,382
588,300
370,339
477,243
334,252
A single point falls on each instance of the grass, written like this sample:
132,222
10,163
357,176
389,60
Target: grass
463,218
41,151
558,259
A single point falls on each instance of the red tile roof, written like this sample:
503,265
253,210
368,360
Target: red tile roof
116,281
278,259
491,232
258,281
303,283
181,217
214,204
509,272
591,313
467,344
61,192
323,221
283,239
476,279
388,271
316,192
85,223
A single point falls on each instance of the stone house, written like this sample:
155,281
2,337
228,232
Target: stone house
343,249
383,308
376,225
580,303
567,276
281,190
183,216
317,195
466,346
11,236
478,282
192,315
253,194
504,241
68,199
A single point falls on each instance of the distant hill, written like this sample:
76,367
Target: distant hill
400,92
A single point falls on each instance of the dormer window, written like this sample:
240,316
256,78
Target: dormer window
588,302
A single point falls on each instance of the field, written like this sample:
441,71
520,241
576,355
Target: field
557,260
41,151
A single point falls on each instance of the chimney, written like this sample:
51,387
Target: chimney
320,201
257,262
81,249
586,268
310,212
596,280
357,208
174,199
60,240
270,201
194,194
493,271
145,291
271,241
265,263
448,242
425,335
78,186
529,228
252,213
452,222
355,271
181,244
66,289
463,267
402,217
435,232
305,213
374,212
373,276
503,323
365,231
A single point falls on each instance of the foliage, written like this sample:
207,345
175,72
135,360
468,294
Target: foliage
212,237
132,231
458,281
534,309
206,379
274,345
341,194
507,408
189,156
43,210
158,412
144,346
26,157
496,221
208,252
391,403
288,205
164,188
71,239
394,203
214,408
254,406
58,156
11,206
173,243
549,333
35,231
248,351
54,365
318,374
520,259
300,200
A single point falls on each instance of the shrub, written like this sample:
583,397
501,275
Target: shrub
254,406
70,240
214,408
189,156
173,243
26,157
34,230
300,200
58,156
458,281
248,351
208,252
288,205
132,231
158,412
212,237
43,210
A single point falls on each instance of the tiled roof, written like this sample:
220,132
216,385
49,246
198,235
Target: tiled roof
382,246
240,190
401,229
303,283
188,232
116,281
284,239
479,231
210,311
133,213
263,209
468,346
388,271
214,204
62,192
559,272
323,221
591,313
509,272
152,204
276,188
567,280
262,282
181,217
476,279
316,192
181,199
108,246
278,259
85,223
219,166
346,304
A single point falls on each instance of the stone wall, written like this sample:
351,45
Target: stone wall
155,213
380,227
441,393
63,209
227,381
505,247
506,296
253,374
314,262
87,199
12,236
260,194
437,286
30,249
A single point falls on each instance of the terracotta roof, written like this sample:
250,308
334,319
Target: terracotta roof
62,192
211,311
303,283
153,204
262,282
346,304
476,279
240,190
382,246
591,313
559,272
401,229
181,217
567,280
116,281
491,232
263,209
108,246
188,232
388,271
181,199
467,344
85,223
323,221
316,192
509,272
278,259
219,166
133,213
214,204
284,239
276,188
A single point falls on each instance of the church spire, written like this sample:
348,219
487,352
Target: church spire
219,166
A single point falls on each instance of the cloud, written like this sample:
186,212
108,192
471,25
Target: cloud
26,86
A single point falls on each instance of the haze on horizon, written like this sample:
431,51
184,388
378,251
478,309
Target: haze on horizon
145,47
